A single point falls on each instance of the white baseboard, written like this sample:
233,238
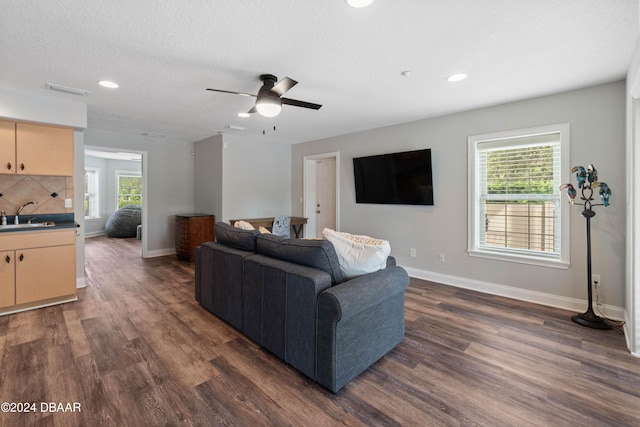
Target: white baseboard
572,304
94,234
161,252
80,282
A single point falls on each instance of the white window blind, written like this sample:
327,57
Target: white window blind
91,205
516,207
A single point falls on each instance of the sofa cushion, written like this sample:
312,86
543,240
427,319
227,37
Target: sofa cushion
318,254
357,254
235,237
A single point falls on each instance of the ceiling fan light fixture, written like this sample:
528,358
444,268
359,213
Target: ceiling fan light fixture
269,105
358,3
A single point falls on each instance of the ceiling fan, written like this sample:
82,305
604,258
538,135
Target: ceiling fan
269,99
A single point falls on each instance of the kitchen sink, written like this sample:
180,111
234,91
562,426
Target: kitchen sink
28,225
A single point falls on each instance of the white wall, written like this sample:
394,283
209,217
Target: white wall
632,279
169,178
208,176
242,177
256,177
55,109
597,118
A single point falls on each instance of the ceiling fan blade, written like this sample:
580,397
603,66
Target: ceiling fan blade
302,104
283,85
253,110
231,92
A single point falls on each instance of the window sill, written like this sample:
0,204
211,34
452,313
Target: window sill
97,218
521,259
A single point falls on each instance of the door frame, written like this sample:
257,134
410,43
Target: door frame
309,189
145,198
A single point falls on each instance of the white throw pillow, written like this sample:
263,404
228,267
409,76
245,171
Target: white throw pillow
243,225
358,255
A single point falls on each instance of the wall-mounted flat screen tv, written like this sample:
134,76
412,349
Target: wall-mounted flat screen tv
396,178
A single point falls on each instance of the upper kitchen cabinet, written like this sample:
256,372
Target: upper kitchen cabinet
7,147
44,150
35,149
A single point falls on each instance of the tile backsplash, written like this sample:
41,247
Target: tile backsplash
49,191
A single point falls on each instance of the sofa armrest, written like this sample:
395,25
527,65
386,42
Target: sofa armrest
358,294
359,321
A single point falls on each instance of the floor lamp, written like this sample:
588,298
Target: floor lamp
587,181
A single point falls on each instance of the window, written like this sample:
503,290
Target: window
516,210
91,194
129,188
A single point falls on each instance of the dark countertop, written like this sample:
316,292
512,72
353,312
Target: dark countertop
60,220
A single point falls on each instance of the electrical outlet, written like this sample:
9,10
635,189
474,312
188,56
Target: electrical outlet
441,257
412,252
595,279
68,203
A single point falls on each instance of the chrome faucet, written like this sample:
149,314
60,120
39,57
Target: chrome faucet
33,202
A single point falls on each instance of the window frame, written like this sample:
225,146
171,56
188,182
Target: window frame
94,201
130,174
474,198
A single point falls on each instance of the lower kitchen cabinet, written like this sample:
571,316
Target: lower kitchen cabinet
7,279
37,268
45,273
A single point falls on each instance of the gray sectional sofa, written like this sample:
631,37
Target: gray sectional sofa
289,296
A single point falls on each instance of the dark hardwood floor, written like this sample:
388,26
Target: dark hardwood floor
136,349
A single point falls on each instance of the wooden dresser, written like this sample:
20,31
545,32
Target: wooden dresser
192,230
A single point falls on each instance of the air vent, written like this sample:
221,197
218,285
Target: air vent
153,135
67,89
234,127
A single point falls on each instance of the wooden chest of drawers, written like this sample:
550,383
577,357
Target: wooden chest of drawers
192,230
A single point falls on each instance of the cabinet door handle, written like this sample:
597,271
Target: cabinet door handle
8,259
21,166
9,166
21,257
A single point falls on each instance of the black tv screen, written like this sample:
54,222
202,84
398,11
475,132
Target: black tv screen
396,178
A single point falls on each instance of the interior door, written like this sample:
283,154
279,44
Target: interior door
326,195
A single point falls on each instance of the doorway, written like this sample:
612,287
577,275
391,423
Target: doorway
321,196
114,178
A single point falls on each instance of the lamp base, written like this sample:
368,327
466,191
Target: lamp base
591,320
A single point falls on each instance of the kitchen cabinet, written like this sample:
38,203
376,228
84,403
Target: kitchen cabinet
7,279
7,147
44,268
35,149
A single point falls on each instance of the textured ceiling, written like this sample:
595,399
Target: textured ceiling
165,53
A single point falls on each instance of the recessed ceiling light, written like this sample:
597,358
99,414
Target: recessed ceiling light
456,77
358,3
108,84
244,115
